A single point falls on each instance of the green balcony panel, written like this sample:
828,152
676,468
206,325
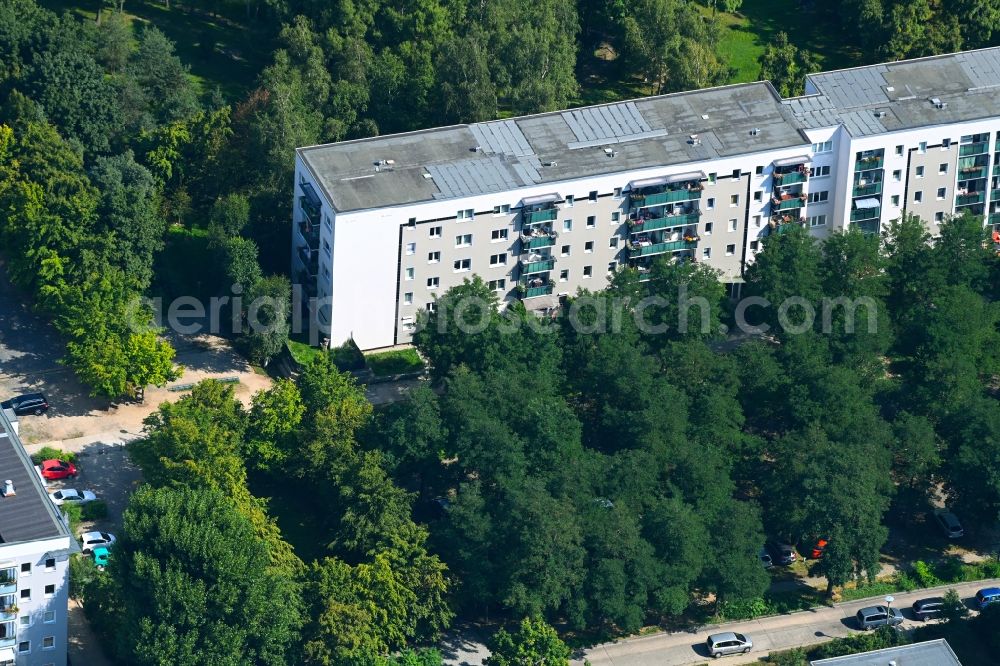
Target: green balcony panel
867,190
869,227
865,214
531,292
869,163
995,195
536,216
969,199
792,178
972,174
660,198
994,218
996,170
972,149
666,222
538,266
789,204
310,208
660,248
540,242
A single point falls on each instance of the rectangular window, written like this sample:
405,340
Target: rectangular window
411,248
708,228
945,144
25,620
26,568
326,249
498,259
920,172
754,245
570,200
712,177
26,593
897,175
612,266
730,250
591,221
817,221
498,285
502,209
564,251
434,232
431,307
593,195
756,221
618,193
758,196
818,197
923,147
50,590
819,172
412,222
939,217
588,246
462,265
433,257
941,192
943,168
564,275
894,199
432,283
734,200
409,273
706,253
567,225
463,240
824,147
918,196
759,170
710,203
736,174
899,150
48,642
613,242
588,271
733,224
615,217
466,214
498,235
408,298
24,647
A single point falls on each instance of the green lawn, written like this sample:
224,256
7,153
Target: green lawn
395,362
232,65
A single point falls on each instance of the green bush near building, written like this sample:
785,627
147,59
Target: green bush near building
396,362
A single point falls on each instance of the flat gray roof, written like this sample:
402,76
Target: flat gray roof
928,653
504,155
444,163
29,514
897,96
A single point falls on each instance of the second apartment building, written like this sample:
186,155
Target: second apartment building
544,205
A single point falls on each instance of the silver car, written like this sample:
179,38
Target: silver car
878,616
729,642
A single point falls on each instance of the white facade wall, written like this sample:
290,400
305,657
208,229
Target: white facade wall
41,596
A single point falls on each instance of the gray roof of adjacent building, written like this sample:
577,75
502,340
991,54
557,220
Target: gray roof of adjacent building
927,653
28,514
665,130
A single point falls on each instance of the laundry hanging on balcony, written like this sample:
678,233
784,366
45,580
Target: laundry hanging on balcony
867,203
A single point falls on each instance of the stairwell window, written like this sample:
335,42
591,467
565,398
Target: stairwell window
411,248
918,196
588,246
591,221
564,275
943,168
920,172
408,298
730,250
941,193
409,274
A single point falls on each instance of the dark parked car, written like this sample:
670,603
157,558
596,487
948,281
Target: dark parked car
948,522
926,609
29,403
781,553
878,616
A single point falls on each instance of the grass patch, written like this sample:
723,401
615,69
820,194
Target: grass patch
223,52
395,362
50,452
302,353
922,575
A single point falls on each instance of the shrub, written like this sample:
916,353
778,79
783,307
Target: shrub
881,638
48,452
395,362
81,572
745,609
74,514
793,657
924,575
96,510
348,357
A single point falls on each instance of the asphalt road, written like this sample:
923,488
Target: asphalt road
779,632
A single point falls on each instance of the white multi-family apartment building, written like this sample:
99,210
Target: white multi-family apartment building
35,546
543,205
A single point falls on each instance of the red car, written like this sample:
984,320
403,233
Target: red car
58,469
818,549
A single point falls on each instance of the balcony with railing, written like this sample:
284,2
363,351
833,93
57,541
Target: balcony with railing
309,259
977,148
657,197
309,233
643,223
530,288
791,178
788,202
538,241
995,195
869,162
539,215
867,190
994,218
868,227
536,265
307,281
309,202
973,173
860,214
646,248
970,198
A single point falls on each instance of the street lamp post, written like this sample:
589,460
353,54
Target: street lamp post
888,608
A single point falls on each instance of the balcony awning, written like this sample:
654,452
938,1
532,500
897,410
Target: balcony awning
648,182
540,199
681,177
790,161
7,654
867,203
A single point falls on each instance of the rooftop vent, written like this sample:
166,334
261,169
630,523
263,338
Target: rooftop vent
938,104
704,116
880,114
755,131
610,152
694,140
8,488
428,176
550,164
477,149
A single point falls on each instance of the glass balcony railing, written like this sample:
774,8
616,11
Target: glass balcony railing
869,163
866,214
664,222
783,179
537,216
670,196
8,588
310,208
309,259
970,198
995,195
994,218
869,227
867,190
972,173
996,170
310,234
660,248
538,242
977,148
528,267
531,292
788,204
